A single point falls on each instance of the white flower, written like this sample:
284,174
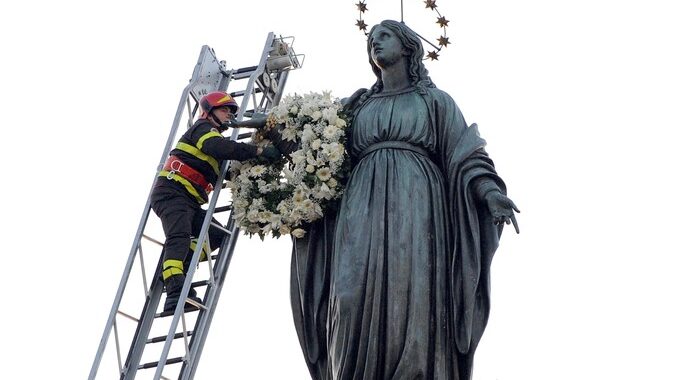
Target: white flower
298,157
239,215
235,166
280,111
253,216
257,203
316,144
283,208
253,229
316,115
332,183
289,134
298,198
306,110
257,170
243,180
284,229
324,173
331,115
330,132
295,215
310,159
310,168
298,233
265,216
276,220
240,203
322,192
308,133
334,157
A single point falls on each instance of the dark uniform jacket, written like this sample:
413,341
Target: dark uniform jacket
203,149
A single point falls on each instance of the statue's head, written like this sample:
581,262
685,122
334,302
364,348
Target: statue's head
411,43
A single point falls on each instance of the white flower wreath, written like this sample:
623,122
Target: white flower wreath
283,197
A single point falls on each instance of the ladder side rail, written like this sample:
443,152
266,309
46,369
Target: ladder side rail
281,82
143,328
204,320
250,88
142,224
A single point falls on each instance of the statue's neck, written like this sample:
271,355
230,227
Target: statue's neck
395,78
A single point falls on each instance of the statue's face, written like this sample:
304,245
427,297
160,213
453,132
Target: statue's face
386,48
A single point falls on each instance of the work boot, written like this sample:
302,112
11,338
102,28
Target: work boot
173,288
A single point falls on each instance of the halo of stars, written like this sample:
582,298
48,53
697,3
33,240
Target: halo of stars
442,41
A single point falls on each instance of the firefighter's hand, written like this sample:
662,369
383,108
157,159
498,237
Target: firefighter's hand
271,153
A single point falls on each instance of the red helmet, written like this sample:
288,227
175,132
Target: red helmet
216,99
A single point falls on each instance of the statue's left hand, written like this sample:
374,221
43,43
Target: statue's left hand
501,208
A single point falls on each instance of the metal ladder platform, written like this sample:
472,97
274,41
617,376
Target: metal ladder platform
151,352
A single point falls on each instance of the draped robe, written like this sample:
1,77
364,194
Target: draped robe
396,284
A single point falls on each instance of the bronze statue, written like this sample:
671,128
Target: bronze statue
395,285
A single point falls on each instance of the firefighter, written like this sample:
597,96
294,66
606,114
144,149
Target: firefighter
186,179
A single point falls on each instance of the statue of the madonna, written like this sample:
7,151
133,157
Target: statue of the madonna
395,285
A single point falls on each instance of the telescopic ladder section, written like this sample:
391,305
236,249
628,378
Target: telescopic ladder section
151,353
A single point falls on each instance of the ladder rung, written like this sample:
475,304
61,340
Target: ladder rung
222,209
155,364
197,284
244,69
164,337
236,94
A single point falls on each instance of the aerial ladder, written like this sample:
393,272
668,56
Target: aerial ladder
161,345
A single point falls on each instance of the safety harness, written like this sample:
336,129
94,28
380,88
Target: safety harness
175,169
175,166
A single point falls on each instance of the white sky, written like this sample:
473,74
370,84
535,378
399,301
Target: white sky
589,109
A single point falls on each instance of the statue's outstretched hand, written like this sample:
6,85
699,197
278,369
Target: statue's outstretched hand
501,208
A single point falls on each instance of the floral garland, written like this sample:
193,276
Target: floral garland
283,197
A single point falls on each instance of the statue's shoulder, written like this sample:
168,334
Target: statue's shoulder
352,98
349,102
439,98
439,94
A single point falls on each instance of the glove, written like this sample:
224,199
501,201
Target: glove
271,153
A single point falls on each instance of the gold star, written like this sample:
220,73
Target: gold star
430,4
433,55
361,24
443,41
361,6
442,21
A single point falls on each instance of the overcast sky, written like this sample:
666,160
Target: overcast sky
590,111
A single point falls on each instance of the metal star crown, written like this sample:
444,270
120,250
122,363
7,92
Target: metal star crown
442,41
